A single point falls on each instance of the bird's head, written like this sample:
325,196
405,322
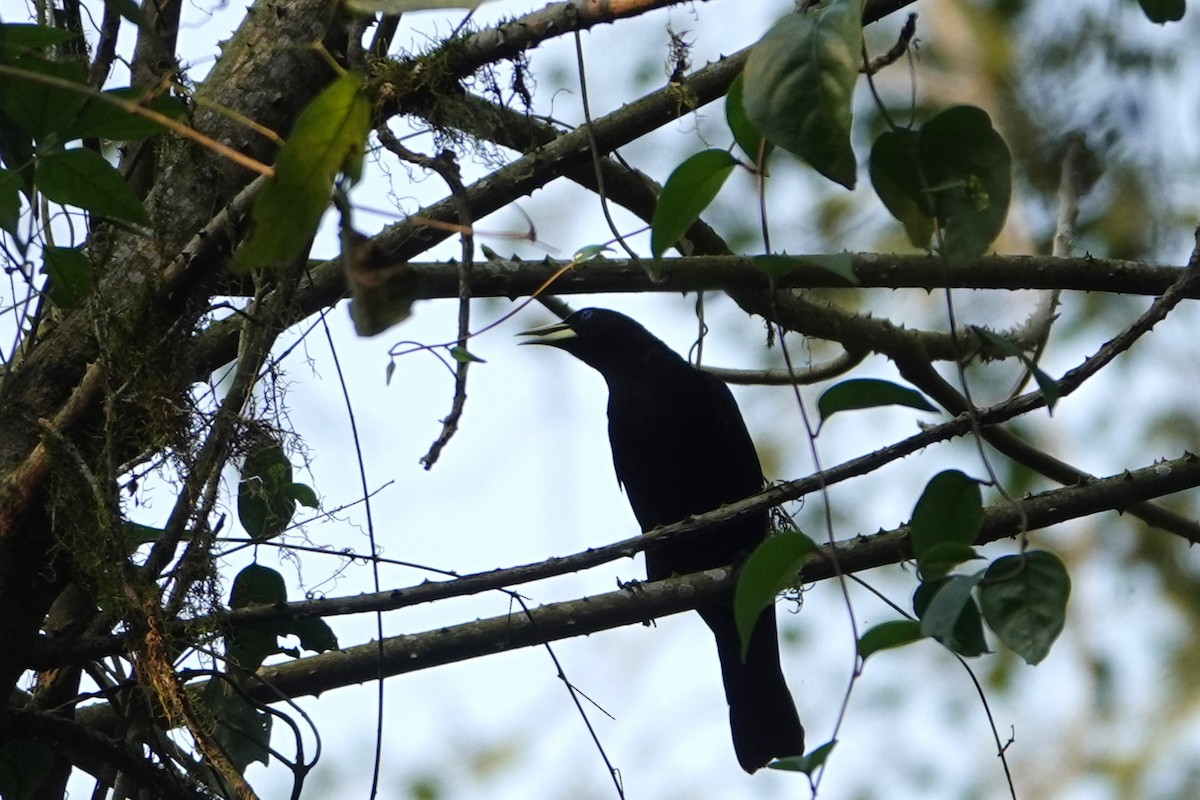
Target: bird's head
606,340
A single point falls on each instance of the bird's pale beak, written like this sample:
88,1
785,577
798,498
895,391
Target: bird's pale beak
553,334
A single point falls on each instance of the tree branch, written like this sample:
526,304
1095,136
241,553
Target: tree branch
642,602
645,601
93,751
432,281
459,59
915,367
1117,492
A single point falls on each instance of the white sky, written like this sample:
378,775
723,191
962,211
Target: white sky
529,476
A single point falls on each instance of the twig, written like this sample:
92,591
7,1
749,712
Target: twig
446,167
896,51
1071,187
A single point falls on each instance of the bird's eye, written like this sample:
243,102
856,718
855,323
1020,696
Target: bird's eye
585,315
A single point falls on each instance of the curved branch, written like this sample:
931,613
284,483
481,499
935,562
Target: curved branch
785,377
266,46
915,367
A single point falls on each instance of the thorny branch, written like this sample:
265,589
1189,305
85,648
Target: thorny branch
317,674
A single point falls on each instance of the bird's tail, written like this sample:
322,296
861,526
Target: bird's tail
762,715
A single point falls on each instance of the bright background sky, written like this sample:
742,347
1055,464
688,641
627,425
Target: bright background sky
529,476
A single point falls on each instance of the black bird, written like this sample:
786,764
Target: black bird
680,447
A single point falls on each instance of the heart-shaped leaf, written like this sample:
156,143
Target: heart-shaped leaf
1024,600
799,83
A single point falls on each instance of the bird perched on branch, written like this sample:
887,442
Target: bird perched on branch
680,447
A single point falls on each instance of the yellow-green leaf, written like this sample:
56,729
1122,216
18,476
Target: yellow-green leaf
886,635
329,137
770,569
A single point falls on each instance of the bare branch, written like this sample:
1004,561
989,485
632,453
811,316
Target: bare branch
645,601
641,602
1119,492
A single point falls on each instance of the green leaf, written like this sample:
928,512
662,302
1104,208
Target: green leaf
464,356
1051,389
314,634
329,137
799,83
949,614
303,494
950,510
248,646
887,635
744,133
10,201
956,170
136,534
241,728
590,252
806,763
24,763
105,120
70,274
401,6
39,109
17,151
82,178
1163,11
940,559
257,585
1024,600
265,501
969,173
20,39
868,393
689,190
769,569
896,177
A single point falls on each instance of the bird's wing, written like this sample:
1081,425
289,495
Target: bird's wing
731,440
680,446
